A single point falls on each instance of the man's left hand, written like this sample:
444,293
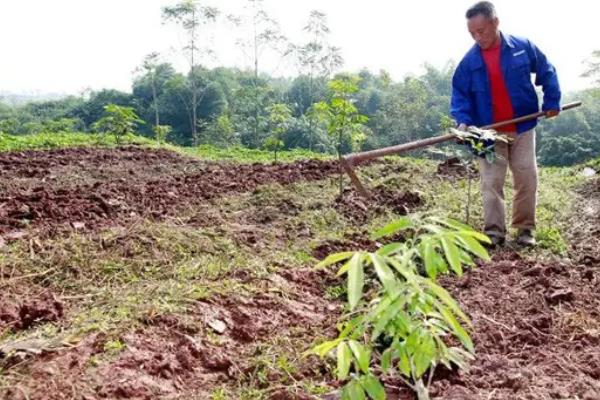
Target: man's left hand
552,113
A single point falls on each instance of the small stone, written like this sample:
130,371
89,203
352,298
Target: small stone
218,326
78,225
588,172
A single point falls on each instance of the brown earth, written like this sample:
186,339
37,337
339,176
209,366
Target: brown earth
170,356
455,167
536,325
358,209
116,186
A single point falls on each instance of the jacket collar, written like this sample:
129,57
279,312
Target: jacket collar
477,60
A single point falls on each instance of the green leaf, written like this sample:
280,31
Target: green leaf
479,236
473,246
424,354
334,259
356,280
403,362
459,331
353,391
373,387
452,223
390,249
430,255
446,298
386,359
391,228
344,359
324,348
381,321
452,254
361,354
385,274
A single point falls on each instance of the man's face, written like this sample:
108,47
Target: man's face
483,30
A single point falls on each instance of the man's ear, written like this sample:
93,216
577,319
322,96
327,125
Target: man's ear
496,22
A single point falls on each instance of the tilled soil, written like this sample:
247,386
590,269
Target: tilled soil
358,209
116,186
172,356
536,329
536,325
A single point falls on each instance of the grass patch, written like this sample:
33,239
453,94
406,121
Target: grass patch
46,141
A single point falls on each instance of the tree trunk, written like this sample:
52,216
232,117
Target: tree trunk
154,98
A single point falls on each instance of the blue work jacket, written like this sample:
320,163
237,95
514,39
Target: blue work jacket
471,102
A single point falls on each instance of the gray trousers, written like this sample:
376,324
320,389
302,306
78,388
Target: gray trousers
519,156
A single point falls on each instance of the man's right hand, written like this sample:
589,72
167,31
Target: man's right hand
463,128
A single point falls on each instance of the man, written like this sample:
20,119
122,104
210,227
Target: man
492,83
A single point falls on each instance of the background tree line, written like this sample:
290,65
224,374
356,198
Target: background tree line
253,107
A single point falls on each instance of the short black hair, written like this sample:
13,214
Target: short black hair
484,8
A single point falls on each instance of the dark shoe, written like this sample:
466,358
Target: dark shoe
525,238
495,241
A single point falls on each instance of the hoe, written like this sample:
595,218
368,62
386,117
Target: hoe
350,160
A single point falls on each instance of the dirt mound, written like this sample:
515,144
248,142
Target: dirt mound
43,163
23,313
128,192
186,356
536,330
584,232
356,242
358,209
453,166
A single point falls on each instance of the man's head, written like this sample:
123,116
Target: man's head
482,22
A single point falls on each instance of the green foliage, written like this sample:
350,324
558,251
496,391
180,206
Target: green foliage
246,155
61,140
402,322
279,119
221,132
161,132
343,121
120,121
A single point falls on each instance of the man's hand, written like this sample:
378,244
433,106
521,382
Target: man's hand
463,128
552,113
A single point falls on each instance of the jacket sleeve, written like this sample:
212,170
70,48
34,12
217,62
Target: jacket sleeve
546,77
461,104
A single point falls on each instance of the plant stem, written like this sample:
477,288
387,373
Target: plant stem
422,392
468,206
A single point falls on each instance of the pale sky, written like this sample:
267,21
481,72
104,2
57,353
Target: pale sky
66,46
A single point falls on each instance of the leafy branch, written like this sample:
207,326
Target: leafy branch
400,319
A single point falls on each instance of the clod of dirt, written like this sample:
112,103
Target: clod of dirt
455,167
357,208
45,308
351,243
165,182
556,296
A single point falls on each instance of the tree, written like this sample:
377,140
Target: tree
279,118
344,123
150,66
317,58
221,132
260,33
192,17
93,109
120,121
593,67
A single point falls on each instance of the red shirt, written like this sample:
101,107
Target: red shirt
501,105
